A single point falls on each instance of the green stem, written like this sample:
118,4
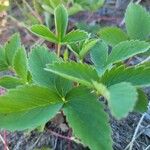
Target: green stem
58,50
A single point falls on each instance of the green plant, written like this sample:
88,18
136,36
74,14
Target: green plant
44,84
137,23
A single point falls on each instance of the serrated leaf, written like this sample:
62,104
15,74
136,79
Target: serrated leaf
113,35
44,32
123,97
38,59
127,49
86,47
81,73
84,112
61,21
137,21
28,107
3,60
11,47
75,36
138,76
142,103
99,55
20,64
9,82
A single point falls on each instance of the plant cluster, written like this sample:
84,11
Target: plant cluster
43,83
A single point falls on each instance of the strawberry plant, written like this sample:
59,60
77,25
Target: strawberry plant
137,23
43,83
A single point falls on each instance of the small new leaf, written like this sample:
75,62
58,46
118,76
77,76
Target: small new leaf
44,32
75,36
61,21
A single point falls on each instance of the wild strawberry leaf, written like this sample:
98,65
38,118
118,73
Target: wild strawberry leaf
38,59
61,21
127,49
10,82
99,55
138,76
20,64
81,73
28,107
44,32
3,60
11,47
137,21
142,103
75,36
86,116
113,35
123,97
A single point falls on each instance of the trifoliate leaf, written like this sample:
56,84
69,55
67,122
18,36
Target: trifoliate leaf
127,49
123,97
113,35
28,107
81,73
88,119
44,32
137,21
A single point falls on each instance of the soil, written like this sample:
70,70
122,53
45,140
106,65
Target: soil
56,133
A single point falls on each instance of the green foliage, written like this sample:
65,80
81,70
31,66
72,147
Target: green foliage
10,82
20,107
41,84
123,97
138,76
127,49
142,102
99,56
20,64
11,47
137,22
61,23
90,125
113,35
78,72
3,61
